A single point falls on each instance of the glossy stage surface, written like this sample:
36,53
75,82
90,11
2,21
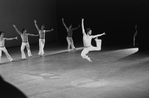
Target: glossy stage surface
119,73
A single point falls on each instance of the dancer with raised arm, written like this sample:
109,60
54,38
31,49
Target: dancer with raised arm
87,38
2,46
41,37
25,43
69,36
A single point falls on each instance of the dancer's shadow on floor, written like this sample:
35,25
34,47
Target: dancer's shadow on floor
9,91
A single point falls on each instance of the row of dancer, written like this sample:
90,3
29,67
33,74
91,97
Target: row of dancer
87,38
25,43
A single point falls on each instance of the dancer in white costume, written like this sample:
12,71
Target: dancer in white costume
2,46
69,35
87,38
24,36
41,38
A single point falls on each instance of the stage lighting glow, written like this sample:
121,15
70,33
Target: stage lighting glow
62,51
127,51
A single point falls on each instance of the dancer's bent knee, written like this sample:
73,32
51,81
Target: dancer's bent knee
84,52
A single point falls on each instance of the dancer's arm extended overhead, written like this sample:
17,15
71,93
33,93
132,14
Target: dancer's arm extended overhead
83,30
64,24
17,30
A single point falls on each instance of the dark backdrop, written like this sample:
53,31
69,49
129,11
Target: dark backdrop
22,13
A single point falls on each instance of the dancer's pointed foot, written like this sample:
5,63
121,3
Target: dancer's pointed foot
88,58
74,49
68,50
11,60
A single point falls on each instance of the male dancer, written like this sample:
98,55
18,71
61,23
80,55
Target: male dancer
41,37
2,46
69,35
24,36
87,38
135,43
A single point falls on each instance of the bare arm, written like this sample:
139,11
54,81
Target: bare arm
35,22
49,30
98,35
11,38
83,30
64,24
17,30
76,27
32,34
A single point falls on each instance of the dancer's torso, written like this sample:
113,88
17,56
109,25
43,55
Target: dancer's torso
24,38
87,41
42,34
2,42
69,33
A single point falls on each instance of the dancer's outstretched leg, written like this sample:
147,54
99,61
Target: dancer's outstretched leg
7,54
98,43
98,46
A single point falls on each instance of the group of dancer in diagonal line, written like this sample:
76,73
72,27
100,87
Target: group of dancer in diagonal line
87,38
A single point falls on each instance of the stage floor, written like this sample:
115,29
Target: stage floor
59,74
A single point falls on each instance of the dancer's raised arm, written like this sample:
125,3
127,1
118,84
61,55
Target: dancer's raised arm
76,27
11,38
35,22
49,30
32,34
64,24
98,35
17,30
83,30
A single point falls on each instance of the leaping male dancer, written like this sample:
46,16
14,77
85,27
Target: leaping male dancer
69,35
87,38
41,37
